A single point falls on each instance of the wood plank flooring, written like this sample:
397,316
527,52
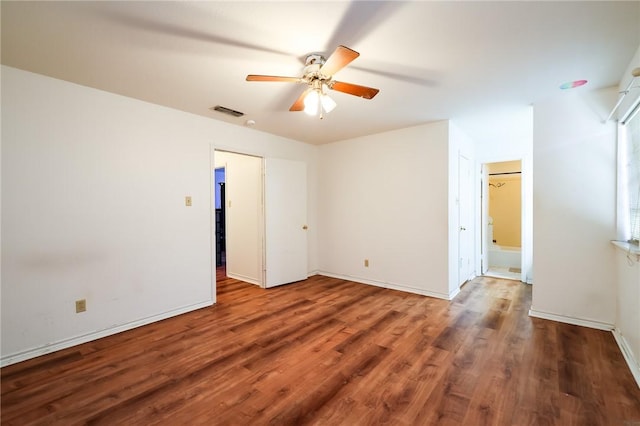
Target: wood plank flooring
331,352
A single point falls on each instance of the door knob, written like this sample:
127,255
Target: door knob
305,227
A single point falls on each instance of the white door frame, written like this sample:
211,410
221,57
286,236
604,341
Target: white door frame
526,212
261,237
465,227
484,212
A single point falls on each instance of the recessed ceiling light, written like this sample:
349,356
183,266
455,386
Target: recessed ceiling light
573,84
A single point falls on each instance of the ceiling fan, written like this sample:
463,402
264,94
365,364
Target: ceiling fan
318,76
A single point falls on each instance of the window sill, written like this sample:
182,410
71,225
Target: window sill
627,247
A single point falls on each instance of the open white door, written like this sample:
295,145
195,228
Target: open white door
285,221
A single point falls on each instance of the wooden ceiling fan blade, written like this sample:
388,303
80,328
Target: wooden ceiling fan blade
354,89
254,77
298,105
340,58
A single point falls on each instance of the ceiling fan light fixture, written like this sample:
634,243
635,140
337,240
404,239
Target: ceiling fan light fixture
312,102
317,101
328,104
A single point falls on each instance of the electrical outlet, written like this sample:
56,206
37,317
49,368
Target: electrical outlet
187,201
81,305
366,263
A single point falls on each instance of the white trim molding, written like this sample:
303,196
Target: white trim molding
391,286
624,346
244,278
453,293
628,355
571,320
67,343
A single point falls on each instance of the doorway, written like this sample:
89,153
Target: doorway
220,211
262,219
502,220
240,219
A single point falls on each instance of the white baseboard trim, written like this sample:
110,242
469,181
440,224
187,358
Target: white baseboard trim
243,278
628,355
571,320
391,286
67,343
453,293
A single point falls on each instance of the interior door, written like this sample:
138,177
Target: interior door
465,219
285,221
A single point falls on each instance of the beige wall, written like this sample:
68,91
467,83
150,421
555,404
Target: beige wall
505,206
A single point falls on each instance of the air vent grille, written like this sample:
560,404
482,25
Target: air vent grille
226,110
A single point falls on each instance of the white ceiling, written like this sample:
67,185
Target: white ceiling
430,60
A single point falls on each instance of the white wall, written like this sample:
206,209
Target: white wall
93,188
385,198
500,134
574,161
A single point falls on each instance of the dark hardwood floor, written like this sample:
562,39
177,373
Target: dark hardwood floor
331,352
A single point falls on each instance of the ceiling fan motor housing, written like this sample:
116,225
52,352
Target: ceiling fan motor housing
313,63
314,59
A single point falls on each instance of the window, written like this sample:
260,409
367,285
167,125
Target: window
629,177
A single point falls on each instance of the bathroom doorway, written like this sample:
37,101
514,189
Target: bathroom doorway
502,220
